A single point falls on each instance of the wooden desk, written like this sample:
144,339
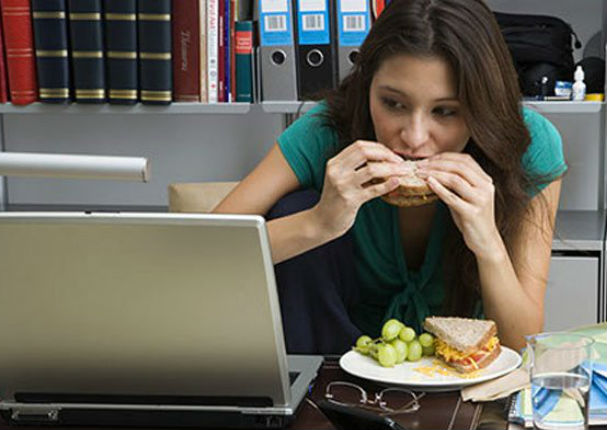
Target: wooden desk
438,410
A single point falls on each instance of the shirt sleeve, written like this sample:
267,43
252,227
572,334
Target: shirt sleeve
307,144
544,157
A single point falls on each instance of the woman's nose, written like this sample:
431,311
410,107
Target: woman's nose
415,131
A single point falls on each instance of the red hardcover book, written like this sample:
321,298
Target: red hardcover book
186,51
221,53
19,47
3,78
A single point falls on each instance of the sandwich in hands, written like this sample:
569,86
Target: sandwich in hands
412,191
464,344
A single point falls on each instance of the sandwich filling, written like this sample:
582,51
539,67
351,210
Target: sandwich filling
452,355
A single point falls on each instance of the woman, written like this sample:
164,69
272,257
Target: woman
434,81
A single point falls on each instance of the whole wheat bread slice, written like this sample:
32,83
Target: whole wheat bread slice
464,334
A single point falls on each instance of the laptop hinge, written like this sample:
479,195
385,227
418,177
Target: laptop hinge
35,414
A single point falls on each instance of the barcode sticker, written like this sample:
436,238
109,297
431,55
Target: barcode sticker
354,23
275,23
313,22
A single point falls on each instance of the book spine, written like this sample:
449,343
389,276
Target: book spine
186,61
226,43
244,59
154,19
221,51
3,76
86,38
202,49
121,50
233,16
50,41
19,44
212,47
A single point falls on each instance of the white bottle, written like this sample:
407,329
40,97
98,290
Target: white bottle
578,91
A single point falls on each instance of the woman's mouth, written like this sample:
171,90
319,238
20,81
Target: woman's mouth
407,157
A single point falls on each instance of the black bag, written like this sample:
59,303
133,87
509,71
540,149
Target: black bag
541,47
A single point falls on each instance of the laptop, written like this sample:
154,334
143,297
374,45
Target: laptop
143,319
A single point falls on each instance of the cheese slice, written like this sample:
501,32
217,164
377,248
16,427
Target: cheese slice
451,354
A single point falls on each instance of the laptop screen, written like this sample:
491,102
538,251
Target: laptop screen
173,305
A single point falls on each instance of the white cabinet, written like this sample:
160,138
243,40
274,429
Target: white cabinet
572,292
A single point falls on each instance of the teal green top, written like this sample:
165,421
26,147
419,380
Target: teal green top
388,288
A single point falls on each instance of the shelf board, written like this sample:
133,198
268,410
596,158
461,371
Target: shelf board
106,108
286,107
541,106
565,107
579,230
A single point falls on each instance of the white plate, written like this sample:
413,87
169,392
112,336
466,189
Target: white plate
404,374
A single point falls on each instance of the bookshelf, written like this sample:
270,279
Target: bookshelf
95,109
541,106
243,108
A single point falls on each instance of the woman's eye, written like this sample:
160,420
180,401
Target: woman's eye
441,111
393,104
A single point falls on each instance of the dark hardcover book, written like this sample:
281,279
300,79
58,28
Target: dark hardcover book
244,60
86,39
187,29
49,19
154,27
121,50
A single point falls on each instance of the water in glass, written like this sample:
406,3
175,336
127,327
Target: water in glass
570,389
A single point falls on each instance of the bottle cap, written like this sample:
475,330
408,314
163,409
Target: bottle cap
595,97
579,73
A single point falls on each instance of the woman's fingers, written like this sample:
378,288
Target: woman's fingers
452,200
380,171
461,164
455,183
375,190
362,151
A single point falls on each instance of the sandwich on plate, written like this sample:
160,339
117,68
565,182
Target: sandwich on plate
464,344
412,190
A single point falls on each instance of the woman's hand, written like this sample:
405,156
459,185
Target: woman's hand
464,186
349,182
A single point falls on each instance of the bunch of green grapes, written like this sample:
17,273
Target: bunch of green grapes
396,344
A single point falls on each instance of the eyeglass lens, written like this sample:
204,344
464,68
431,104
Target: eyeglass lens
387,400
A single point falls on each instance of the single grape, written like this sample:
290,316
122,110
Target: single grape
406,334
415,351
426,339
364,340
362,345
373,350
390,330
428,351
386,355
401,350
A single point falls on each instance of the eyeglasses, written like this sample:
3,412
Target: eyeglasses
389,401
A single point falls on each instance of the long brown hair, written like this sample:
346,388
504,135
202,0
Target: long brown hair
465,34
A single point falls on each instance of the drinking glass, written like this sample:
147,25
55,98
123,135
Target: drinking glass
561,375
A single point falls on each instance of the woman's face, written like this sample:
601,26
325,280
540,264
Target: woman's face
414,107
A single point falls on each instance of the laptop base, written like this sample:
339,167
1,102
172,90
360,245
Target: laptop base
141,418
